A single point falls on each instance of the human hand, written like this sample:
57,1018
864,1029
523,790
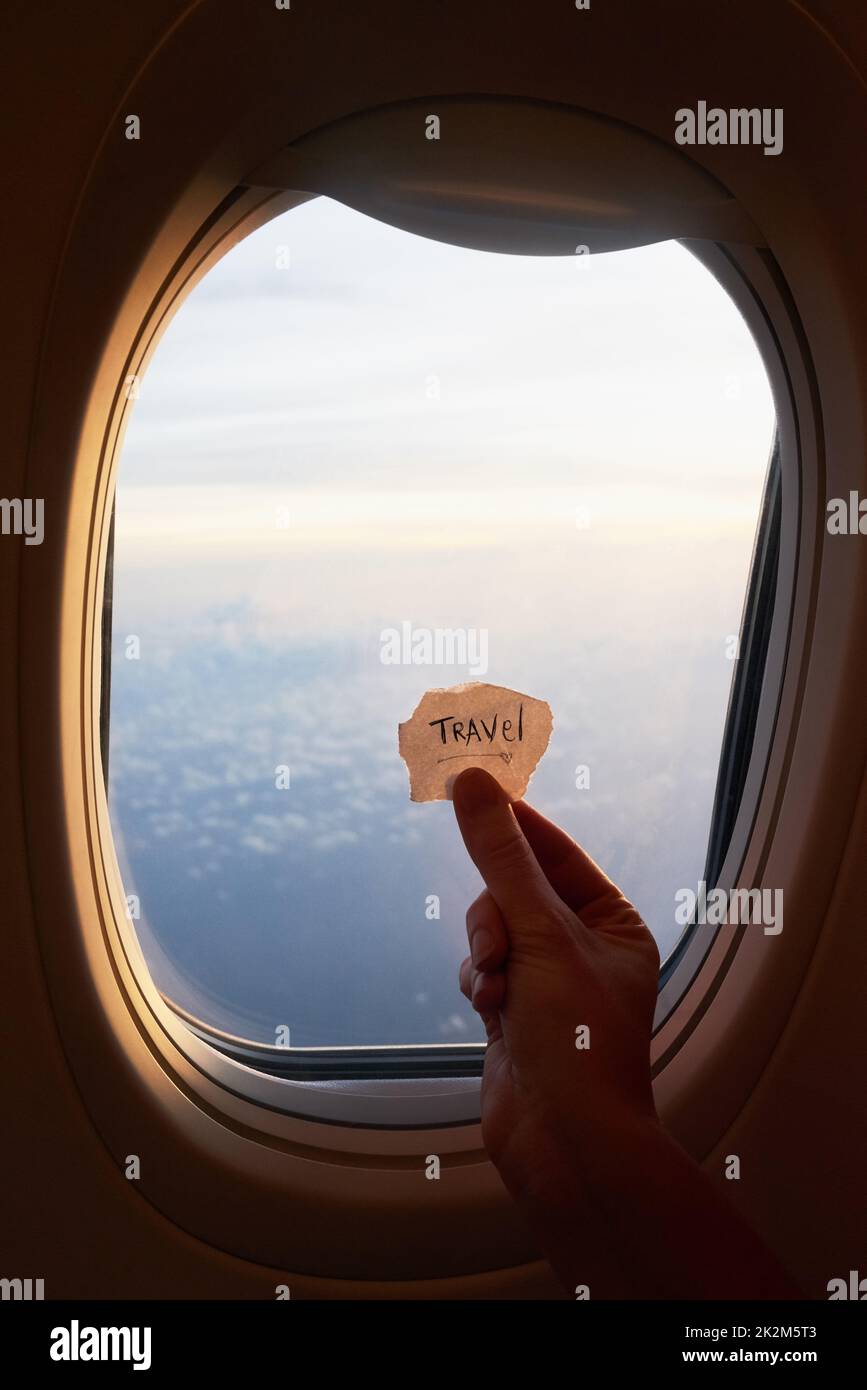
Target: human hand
615,1202
555,947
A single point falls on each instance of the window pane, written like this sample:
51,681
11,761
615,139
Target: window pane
347,429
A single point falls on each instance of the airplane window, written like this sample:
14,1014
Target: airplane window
363,464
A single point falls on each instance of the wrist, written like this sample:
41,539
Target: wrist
581,1193
561,1166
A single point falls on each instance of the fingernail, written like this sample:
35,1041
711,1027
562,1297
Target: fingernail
476,790
481,946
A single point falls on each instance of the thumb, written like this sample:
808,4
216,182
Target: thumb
501,853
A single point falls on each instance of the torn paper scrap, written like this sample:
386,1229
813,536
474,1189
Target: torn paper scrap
473,725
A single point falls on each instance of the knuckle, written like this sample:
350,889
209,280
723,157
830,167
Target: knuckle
478,910
652,949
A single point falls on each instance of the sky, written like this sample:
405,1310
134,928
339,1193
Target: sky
347,427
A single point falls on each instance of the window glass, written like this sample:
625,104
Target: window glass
349,431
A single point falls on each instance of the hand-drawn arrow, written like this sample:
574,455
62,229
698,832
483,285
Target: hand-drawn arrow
507,757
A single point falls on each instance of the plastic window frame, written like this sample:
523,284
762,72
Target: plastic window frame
437,1085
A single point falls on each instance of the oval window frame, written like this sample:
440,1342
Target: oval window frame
446,1099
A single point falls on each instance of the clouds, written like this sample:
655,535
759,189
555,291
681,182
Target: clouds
401,359
287,885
